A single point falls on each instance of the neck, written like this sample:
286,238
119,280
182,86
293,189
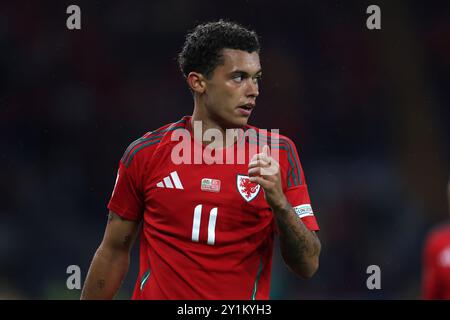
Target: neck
208,122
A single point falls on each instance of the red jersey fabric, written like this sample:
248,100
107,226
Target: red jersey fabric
436,262
207,232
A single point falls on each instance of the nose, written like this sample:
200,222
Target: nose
252,88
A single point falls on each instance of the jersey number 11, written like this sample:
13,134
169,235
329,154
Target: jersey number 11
211,224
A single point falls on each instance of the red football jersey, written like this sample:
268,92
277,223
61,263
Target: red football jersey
436,260
208,232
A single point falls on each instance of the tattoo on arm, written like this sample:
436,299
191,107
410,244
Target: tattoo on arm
101,284
126,241
300,242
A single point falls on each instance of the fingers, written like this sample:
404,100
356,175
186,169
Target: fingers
259,172
261,156
263,164
264,155
271,170
266,150
258,163
265,184
253,172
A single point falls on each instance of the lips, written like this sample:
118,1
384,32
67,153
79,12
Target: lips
248,106
246,109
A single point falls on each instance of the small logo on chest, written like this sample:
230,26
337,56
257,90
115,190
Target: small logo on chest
248,190
171,182
210,185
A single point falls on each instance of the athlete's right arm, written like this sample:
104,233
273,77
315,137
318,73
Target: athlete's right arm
111,260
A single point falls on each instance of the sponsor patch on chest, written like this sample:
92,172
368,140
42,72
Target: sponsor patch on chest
210,185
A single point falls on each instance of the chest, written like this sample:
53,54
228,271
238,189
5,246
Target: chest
206,203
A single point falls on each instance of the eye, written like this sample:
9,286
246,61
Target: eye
238,78
257,79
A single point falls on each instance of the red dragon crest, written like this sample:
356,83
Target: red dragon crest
247,189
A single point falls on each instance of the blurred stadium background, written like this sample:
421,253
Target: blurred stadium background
368,110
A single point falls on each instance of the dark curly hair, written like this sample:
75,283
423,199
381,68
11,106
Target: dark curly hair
202,50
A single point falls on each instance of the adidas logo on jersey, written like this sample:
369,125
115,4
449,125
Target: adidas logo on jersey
171,181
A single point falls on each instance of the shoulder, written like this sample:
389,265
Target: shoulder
276,141
146,145
269,137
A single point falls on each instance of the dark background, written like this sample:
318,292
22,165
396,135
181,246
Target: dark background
368,111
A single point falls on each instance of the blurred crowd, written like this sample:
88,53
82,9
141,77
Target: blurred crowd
368,111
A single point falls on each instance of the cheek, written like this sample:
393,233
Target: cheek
232,93
224,97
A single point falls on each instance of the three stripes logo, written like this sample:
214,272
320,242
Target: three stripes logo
172,181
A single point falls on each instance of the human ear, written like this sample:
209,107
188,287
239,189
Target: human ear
196,82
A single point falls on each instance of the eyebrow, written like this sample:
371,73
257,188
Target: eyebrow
245,73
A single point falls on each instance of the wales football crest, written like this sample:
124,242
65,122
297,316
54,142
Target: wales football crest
248,190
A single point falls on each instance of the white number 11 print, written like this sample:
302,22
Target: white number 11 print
211,224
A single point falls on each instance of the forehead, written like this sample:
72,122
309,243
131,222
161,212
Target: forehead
240,60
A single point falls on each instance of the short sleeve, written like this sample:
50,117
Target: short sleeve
126,199
294,185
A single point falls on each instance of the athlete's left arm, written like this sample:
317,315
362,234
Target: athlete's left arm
300,247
